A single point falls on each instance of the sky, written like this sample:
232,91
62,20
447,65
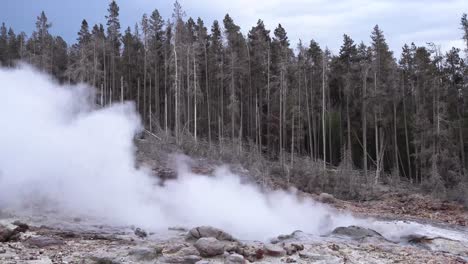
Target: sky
403,21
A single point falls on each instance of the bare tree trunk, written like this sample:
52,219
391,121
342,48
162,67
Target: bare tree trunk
292,142
249,109
461,143
138,94
150,108
221,116
232,96
121,90
309,125
407,141
165,92
189,93
144,84
195,99
105,69
395,141
330,152
94,63
348,121
281,120
364,121
157,92
102,95
376,123
176,127
207,97
257,134
268,101
323,117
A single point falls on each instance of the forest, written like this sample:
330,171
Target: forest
379,115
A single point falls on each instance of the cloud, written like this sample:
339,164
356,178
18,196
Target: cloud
326,21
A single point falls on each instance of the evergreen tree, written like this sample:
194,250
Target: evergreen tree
3,45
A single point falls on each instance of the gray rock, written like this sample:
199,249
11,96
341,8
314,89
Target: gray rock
203,262
292,248
326,198
144,254
296,235
234,259
209,247
356,232
191,250
274,250
5,234
20,226
251,252
43,241
173,248
311,256
140,233
189,259
231,246
209,231
186,255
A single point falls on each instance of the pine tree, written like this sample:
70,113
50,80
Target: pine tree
3,45
42,52
113,38
234,44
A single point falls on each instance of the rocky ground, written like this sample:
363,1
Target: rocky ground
39,240
51,238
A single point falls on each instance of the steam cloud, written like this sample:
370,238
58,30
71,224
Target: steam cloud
57,149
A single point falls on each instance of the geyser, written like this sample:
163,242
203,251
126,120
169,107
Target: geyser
57,150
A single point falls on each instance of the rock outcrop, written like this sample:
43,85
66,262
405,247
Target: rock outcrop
209,231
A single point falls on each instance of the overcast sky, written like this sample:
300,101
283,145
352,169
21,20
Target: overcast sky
403,21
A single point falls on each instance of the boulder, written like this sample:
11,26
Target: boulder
357,232
190,250
185,255
43,242
251,252
296,235
326,198
231,246
209,231
140,233
292,248
5,234
234,259
209,246
173,248
274,250
20,226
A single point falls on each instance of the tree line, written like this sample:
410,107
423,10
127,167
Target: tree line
362,108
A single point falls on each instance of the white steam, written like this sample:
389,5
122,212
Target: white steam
56,148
